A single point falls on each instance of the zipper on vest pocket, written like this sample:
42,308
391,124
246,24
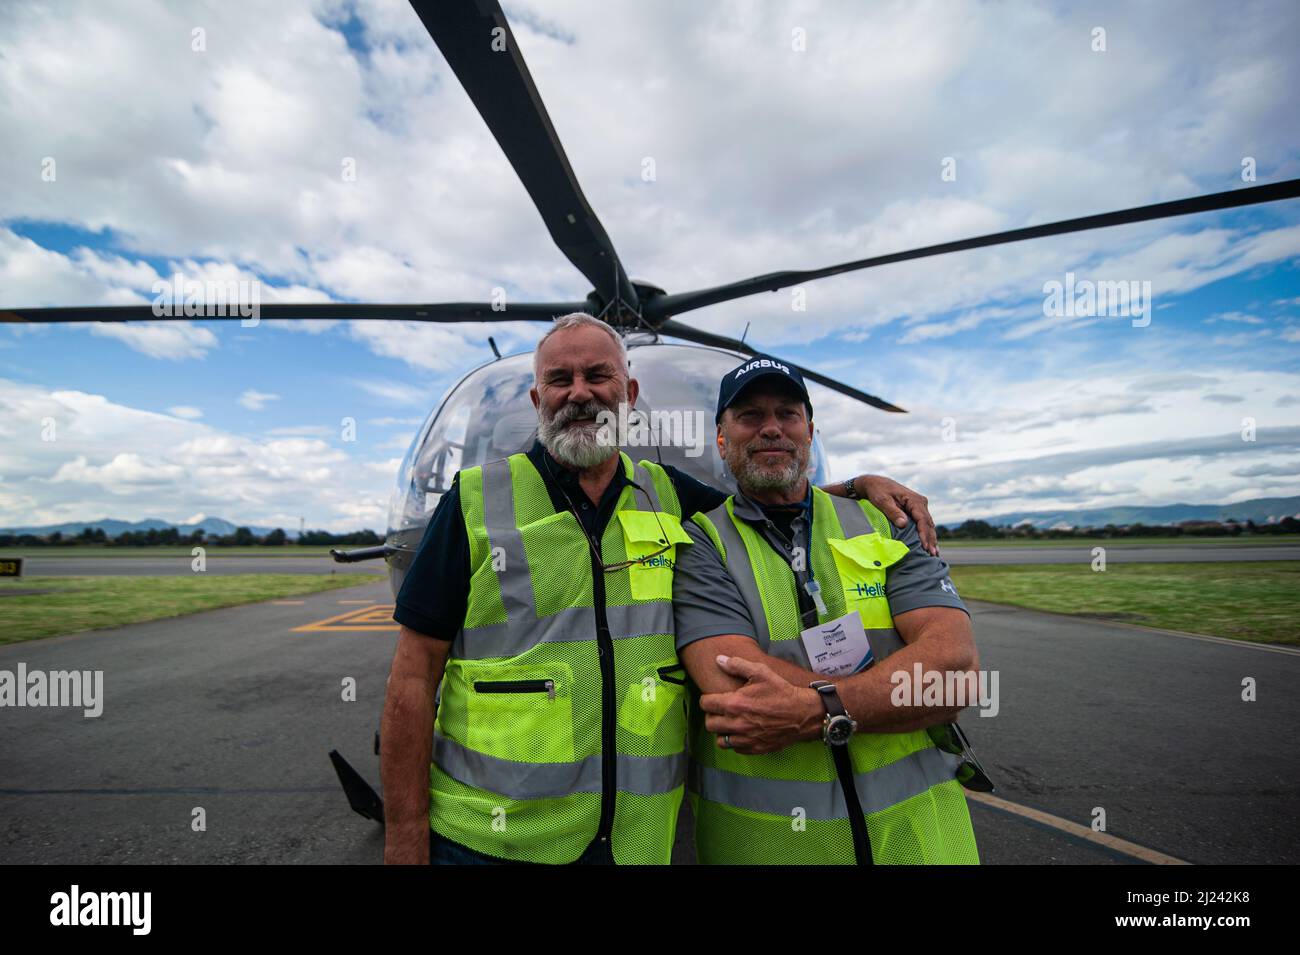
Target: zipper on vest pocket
516,686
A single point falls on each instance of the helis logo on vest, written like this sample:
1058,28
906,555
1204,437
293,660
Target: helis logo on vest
659,560
861,591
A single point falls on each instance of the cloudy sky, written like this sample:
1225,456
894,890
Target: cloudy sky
781,135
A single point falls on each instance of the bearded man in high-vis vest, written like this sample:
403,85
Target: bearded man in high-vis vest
787,606
540,599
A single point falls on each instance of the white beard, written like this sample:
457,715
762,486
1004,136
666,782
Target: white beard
575,446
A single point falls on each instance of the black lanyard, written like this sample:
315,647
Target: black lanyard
843,764
808,615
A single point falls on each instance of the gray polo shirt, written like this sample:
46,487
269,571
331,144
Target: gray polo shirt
707,602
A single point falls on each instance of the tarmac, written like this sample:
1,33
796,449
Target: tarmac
233,712
1208,551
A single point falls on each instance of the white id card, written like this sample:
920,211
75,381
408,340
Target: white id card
838,647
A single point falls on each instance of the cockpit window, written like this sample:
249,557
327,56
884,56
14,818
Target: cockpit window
488,415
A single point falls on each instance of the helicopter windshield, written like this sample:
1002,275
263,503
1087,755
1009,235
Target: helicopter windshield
488,415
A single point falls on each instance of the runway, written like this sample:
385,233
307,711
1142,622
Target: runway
1119,554
233,712
1207,551
180,565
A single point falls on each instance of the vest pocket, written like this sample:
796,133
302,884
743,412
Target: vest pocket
651,537
654,706
520,712
861,562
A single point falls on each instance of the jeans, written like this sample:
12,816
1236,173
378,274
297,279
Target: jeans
443,851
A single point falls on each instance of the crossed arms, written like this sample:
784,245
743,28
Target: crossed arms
764,704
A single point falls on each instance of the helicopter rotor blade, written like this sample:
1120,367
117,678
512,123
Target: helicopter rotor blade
686,332
444,312
658,309
480,48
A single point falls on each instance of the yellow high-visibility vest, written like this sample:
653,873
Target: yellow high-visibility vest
788,806
545,737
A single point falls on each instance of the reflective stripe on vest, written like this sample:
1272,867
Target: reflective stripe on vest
571,624
877,790
644,776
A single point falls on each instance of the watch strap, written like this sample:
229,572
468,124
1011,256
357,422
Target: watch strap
830,697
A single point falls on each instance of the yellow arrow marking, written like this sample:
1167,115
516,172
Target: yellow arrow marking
377,618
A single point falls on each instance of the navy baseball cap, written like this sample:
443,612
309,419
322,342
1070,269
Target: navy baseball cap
752,369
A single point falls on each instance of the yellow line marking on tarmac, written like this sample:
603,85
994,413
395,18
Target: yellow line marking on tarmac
367,602
1074,829
376,618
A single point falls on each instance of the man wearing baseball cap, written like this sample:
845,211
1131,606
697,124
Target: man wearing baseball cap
785,609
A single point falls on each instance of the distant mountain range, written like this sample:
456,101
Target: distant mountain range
211,526
1260,510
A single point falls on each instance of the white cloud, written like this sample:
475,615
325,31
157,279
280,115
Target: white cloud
1100,435
123,475
115,270
304,430
31,275
113,460
1242,339
171,340
185,411
398,442
255,400
396,392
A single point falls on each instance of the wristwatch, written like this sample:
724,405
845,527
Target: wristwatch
838,725
850,491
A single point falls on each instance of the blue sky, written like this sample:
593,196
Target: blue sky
224,163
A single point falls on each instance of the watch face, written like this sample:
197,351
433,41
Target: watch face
839,730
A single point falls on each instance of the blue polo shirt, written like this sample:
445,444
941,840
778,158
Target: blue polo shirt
435,593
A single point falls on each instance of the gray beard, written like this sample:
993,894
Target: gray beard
751,477
575,446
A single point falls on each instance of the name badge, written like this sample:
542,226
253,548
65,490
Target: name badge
838,647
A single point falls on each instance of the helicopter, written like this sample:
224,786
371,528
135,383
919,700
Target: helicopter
487,415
